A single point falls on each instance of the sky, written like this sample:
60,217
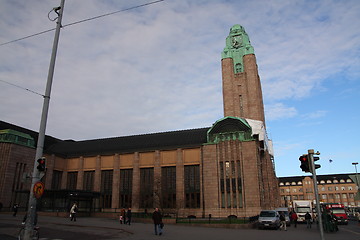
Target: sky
157,68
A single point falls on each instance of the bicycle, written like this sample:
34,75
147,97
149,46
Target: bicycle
35,234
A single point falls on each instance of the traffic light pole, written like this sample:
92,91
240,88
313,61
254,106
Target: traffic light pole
313,170
31,212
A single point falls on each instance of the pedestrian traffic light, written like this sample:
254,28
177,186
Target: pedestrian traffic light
304,163
316,165
41,164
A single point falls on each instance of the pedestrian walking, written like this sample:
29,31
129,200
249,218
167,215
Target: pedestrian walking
294,218
15,209
73,212
308,220
122,216
282,221
128,216
158,224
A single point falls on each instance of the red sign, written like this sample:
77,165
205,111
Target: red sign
38,189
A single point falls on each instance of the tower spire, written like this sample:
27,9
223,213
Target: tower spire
241,83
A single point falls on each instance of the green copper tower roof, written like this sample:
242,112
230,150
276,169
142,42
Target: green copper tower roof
12,136
237,46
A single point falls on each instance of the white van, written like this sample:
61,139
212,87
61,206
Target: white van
269,219
286,213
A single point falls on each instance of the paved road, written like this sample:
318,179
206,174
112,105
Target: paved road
56,228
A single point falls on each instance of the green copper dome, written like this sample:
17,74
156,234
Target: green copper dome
237,46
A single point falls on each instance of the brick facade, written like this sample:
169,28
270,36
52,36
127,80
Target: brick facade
236,173
16,166
242,93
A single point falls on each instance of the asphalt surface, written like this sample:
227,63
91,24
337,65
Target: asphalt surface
90,228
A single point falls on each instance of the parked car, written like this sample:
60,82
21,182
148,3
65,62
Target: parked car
286,213
269,219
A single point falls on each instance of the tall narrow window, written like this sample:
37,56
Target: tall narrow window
241,105
222,184
56,180
88,184
106,188
71,180
239,184
168,187
192,186
230,184
126,176
146,187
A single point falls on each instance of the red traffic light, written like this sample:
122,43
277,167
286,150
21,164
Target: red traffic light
304,163
41,164
41,161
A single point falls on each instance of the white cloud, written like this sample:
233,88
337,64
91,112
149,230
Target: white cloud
158,68
279,111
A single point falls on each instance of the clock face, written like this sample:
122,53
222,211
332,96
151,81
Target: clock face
236,41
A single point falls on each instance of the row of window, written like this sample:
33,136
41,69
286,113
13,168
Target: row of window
321,196
148,188
321,182
294,190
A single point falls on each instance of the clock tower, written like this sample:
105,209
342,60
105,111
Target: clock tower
242,93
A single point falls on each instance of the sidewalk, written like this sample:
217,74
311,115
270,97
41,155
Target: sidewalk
104,228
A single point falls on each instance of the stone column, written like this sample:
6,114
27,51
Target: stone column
64,176
180,191
80,178
116,182
97,180
136,183
157,181
50,162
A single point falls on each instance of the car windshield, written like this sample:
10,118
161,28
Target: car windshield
303,209
267,214
338,211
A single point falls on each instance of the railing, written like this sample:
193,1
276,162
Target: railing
191,219
232,219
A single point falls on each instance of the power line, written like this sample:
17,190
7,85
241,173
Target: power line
22,88
107,14
81,21
33,35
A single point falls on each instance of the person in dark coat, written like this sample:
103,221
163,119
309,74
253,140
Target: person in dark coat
308,220
157,218
15,209
128,216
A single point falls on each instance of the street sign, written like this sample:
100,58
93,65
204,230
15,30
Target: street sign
38,189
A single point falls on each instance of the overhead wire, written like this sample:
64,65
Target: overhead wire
66,25
81,21
22,88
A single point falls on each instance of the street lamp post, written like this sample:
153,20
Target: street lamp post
357,181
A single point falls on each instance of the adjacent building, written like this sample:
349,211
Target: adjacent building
333,188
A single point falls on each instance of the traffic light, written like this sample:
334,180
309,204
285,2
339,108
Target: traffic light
316,165
305,167
41,164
